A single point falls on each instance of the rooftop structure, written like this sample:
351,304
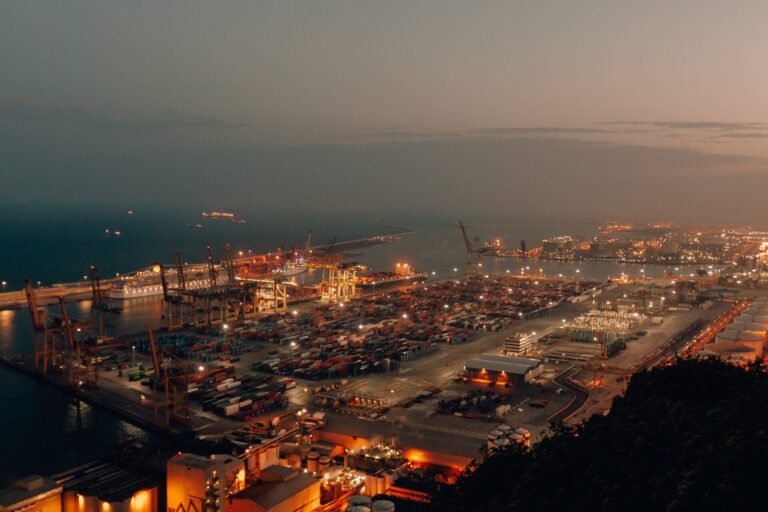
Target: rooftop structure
512,369
280,489
32,493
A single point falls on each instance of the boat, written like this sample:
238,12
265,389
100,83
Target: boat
223,215
291,268
218,215
403,274
147,282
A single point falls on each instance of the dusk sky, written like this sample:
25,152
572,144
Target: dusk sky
518,106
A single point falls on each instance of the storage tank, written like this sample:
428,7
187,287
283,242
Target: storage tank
322,463
389,480
383,506
294,460
743,339
312,459
358,500
741,352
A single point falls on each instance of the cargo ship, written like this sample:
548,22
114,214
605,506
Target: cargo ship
147,283
403,274
218,215
223,215
291,268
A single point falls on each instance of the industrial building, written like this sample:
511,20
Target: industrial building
193,480
503,369
520,344
32,494
100,486
452,451
280,489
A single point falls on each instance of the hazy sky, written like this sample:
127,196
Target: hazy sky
498,106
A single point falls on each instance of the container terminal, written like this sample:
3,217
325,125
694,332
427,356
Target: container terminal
341,393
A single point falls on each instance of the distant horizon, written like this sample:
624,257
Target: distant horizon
587,110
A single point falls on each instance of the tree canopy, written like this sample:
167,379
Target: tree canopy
691,436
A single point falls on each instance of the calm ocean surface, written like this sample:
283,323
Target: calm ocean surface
44,431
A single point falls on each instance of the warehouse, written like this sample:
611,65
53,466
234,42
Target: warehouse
280,489
503,369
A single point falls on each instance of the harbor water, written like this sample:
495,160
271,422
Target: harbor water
44,431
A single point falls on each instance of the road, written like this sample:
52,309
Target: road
581,395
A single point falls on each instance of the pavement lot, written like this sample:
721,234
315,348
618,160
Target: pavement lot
440,368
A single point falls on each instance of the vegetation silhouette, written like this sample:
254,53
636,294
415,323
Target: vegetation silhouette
691,436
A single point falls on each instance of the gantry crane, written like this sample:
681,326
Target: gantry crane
172,300
172,383
49,333
308,246
473,253
85,349
103,312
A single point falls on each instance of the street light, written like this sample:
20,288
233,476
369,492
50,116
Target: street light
133,355
5,283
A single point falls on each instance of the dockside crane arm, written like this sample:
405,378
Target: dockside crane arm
180,273
211,268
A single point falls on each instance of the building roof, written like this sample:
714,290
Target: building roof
748,326
26,489
269,494
407,437
741,349
740,335
191,460
109,481
494,363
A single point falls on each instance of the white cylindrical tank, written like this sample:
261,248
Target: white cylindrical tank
358,500
312,459
383,506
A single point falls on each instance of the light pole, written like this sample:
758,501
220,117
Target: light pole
5,283
133,355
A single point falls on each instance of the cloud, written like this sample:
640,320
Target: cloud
694,125
536,130
742,135
77,116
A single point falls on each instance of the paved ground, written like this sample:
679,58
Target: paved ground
440,368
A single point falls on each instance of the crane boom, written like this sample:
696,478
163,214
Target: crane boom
467,243
180,273
211,268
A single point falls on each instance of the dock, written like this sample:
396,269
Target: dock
131,410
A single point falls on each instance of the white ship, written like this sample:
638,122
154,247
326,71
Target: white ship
291,268
147,282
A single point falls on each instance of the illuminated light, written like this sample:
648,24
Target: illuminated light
200,368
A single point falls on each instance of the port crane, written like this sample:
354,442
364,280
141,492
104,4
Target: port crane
172,383
85,349
473,253
103,312
49,337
